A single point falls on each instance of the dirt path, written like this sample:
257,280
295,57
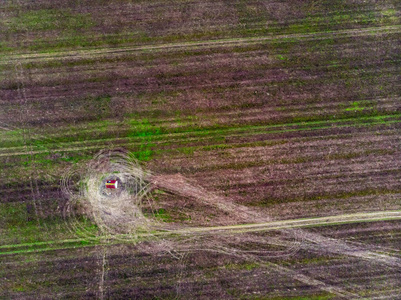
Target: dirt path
299,223
312,241
329,244
179,185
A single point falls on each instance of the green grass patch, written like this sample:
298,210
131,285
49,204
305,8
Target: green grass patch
4,47
19,288
144,137
146,133
162,215
310,297
21,224
49,19
356,106
9,133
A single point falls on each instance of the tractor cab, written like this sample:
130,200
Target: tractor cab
111,184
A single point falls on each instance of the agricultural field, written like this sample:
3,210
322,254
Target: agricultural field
254,147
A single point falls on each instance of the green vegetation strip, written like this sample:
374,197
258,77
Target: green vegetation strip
194,135
267,226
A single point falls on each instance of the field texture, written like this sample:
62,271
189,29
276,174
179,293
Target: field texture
257,146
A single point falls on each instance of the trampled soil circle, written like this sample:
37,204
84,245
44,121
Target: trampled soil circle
110,192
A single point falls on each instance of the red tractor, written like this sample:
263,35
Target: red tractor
111,184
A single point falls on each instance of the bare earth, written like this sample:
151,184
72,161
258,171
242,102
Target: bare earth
267,136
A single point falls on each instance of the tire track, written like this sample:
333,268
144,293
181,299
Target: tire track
311,281
247,131
370,31
243,228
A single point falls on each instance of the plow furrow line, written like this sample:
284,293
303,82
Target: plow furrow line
311,281
370,31
246,131
231,229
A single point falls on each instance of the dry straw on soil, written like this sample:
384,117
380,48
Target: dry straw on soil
116,212
119,213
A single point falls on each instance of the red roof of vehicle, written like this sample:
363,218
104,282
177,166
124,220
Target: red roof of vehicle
111,184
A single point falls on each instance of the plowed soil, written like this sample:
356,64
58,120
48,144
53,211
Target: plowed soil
282,114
